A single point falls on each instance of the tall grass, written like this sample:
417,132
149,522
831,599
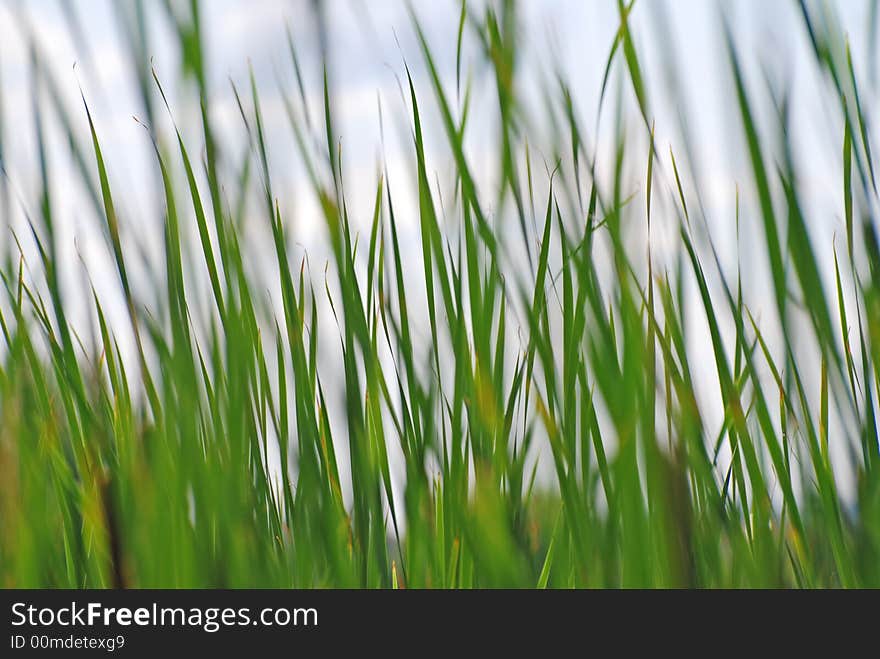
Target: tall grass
521,332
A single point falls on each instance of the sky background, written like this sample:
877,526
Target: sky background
368,45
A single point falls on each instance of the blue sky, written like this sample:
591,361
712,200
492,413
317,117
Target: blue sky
368,44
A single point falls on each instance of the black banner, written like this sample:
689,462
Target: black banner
409,622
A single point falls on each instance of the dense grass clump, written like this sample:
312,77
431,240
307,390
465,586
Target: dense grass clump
514,397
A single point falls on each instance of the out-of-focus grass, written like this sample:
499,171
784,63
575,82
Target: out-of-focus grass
210,459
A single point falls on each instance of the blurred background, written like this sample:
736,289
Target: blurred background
52,49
